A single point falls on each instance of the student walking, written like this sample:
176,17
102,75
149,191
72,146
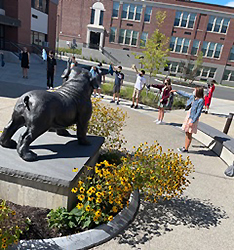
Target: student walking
44,55
163,99
119,77
211,89
96,74
139,85
51,69
196,100
25,62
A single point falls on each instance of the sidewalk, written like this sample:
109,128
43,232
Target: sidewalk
202,219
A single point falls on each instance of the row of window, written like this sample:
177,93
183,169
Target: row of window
128,37
38,38
209,49
131,12
187,20
206,72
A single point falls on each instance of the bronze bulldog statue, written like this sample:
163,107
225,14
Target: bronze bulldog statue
41,110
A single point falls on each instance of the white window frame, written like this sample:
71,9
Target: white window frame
208,72
115,17
221,25
150,14
124,37
207,49
177,67
229,75
146,37
134,15
199,43
181,18
182,45
115,34
232,48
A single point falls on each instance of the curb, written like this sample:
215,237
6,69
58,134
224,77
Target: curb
90,238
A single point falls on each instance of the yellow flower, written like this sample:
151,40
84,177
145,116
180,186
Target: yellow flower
111,201
90,198
13,212
79,205
75,170
115,209
74,190
4,245
98,194
82,190
98,213
4,239
99,187
80,183
87,208
98,200
89,178
81,197
110,218
16,241
89,192
95,218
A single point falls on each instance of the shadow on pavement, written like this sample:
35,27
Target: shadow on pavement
157,219
14,90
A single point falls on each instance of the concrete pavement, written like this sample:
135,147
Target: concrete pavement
203,218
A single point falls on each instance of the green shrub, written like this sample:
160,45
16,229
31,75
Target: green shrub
69,50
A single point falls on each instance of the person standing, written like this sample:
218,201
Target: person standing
209,96
119,77
196,99
139,85
163,99
73,61
25,62
51,69
97,76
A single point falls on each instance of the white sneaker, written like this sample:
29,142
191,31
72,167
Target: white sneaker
158,122
155,120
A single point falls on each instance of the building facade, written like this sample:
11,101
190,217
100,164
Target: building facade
122,27
28,22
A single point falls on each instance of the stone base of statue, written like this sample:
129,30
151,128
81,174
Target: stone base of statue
48,181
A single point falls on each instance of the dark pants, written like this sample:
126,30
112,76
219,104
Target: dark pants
50,79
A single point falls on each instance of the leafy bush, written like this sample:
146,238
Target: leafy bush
68,50
9,226
107,122
147,97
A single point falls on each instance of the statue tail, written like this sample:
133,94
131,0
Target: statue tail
26,102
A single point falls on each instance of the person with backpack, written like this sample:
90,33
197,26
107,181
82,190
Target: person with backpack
165,90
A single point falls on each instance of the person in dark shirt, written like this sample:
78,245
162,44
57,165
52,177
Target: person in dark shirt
119,77
51,69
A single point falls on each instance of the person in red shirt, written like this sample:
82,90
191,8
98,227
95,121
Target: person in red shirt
163,99
209,96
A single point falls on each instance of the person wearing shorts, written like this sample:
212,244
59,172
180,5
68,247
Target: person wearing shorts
119,77
139,85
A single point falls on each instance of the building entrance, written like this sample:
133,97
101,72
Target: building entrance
94,40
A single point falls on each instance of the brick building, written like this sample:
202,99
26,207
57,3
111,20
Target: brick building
28,22
119,28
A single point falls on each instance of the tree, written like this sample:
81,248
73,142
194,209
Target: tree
154,55
190,70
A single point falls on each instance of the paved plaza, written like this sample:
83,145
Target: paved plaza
203,218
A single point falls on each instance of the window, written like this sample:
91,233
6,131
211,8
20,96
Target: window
231,56
175,67
41,5
38,38
144,37
92,16
101,17
115,11
179,45
218,24
206,72
131,12
112,35
228,75
184,19
128,37
148,11
212,50
195,47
